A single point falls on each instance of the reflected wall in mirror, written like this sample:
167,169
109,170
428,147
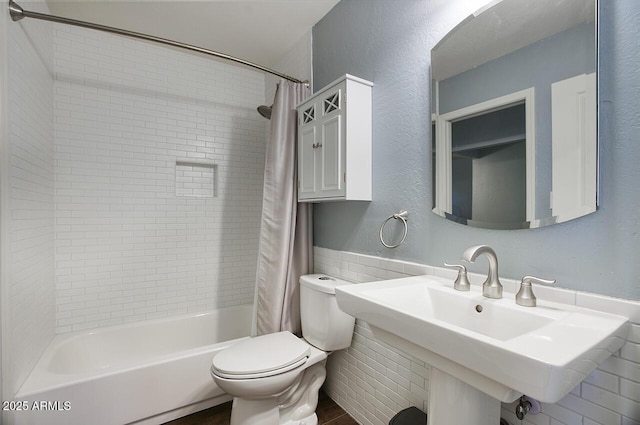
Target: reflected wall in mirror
514,115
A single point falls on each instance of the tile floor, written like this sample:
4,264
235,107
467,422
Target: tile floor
329,413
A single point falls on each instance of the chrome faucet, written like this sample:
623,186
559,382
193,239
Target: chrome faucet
491,288
525,296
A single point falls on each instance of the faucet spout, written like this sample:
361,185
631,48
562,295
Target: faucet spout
491,288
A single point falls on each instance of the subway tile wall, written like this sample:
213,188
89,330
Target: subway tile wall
28,199
295,63
138,235
373,381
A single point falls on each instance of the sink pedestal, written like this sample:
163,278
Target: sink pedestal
452,401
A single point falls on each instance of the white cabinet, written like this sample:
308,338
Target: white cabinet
334,142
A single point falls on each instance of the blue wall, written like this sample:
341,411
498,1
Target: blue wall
388,42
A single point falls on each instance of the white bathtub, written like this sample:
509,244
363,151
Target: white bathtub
146,373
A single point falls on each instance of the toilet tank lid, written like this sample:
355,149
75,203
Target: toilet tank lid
322,282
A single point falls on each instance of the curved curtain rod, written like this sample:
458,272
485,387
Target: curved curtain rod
17,13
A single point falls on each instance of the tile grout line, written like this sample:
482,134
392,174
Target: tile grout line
334,420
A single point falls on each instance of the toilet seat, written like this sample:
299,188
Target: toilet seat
262,356
259,375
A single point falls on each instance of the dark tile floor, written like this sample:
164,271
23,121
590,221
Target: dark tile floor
329,413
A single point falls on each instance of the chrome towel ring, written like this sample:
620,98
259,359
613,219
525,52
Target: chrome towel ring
402,216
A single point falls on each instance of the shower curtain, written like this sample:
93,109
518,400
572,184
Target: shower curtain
285,249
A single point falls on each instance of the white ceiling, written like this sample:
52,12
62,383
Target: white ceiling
503,27
260,31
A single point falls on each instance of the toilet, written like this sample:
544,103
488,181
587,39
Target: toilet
275,379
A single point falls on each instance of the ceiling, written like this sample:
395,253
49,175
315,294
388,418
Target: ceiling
260,31
503,27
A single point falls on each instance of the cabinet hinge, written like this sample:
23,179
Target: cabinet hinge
344,177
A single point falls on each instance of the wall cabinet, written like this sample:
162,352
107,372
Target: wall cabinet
334,142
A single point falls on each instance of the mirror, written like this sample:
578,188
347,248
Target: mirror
514,117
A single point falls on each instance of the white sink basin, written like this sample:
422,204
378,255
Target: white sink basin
498,347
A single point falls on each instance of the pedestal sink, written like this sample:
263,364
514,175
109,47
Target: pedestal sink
484,351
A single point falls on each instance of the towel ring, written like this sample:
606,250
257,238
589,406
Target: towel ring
402,215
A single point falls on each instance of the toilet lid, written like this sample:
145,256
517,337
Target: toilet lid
261,354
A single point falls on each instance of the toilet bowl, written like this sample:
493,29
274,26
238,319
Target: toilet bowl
275,378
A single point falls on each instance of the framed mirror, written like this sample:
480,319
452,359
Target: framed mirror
514,115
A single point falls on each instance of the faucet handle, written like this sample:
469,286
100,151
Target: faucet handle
462,281
525,295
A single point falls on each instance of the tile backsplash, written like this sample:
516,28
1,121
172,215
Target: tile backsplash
372,381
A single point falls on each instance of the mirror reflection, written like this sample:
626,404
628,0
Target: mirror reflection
514,115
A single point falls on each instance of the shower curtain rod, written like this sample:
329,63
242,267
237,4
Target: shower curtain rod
17,13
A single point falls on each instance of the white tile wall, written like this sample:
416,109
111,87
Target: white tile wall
372,381
297,63
195,180
127,247
27,200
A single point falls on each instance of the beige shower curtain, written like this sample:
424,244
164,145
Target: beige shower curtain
285,249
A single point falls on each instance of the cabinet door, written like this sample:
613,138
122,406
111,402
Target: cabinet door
331,157
307,145
307,162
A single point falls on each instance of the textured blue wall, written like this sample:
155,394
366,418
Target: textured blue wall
388,42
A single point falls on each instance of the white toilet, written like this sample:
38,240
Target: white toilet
275,378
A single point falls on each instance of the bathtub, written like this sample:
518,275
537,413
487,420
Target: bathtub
144,373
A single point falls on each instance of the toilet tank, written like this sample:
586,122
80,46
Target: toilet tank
324,325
